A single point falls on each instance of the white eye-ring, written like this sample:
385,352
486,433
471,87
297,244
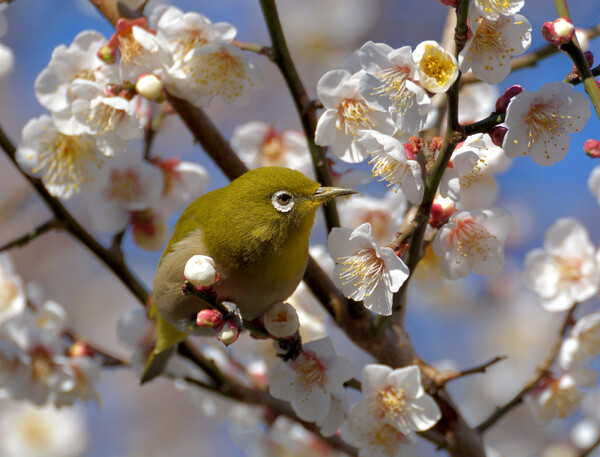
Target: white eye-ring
283,201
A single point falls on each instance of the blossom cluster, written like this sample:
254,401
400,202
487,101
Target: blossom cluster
37,361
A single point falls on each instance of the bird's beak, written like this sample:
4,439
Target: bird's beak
324,194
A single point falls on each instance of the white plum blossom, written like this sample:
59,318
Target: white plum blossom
391,163
493,45
582,344
539,123
347,115
566,270
133,185
85,374
30,431
77,61
137,332
141,51
384,214
494,9
388,84
467,165
12,293
281,320
67,164
338,412
364,271
477,101
111,119
259,145
394,406
437,68
473,240
215,69
183,183
556,397
594,183
309,380
187,31
7,57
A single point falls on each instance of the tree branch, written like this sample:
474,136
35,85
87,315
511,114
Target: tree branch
541,371
31,235
444,378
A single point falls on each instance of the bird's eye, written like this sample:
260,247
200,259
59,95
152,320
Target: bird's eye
282,201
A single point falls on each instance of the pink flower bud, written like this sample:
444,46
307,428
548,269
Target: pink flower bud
441,209
497,135
81,349
559,32
592,148
228,333
209,318
452,3
506,97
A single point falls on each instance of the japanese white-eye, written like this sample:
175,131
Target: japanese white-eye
256,230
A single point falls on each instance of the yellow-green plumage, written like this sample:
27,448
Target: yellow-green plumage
259,244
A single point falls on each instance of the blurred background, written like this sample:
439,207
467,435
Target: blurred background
481,318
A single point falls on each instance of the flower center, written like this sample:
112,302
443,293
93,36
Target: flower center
394,85
542,118
124,185
488,39
389,169
65,163
353,115
41,365
474,175
436,65
570,269
364,268
388,437
104,118
272,151
311,369
130,49
193,39
469,237
8,292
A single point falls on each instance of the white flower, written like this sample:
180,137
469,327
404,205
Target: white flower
582,344
259,145
394,406
556,398
12,294
539,123
594,183
566,270
476,101
183,183
67,164
308,381
142,52
384,214
187,31
7,57
111,119
467,165
310,312
493,45
473,240
281,320
215,69
346,115
391,163
338,412
365,271
29,431
437,68
67,64
133,185
85,374
388,85
494,9
137,332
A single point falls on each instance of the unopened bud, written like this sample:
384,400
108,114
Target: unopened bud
506,97
281,320
228,333
200,271
107,54
80,349
150,87
149,230
452,3
559,32
441,209
497,135
592,148
209,318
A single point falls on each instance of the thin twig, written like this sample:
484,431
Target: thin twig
31,235
308,116
444,378
541,371
588,450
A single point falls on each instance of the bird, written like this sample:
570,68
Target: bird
256,230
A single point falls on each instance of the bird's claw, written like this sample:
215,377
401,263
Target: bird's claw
292,347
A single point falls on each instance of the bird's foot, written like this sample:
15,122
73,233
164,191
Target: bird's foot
290,347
